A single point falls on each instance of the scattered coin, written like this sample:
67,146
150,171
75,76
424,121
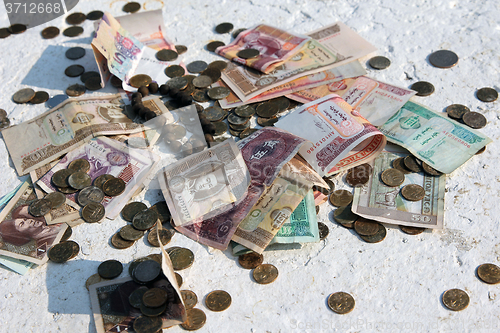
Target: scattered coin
220,128
234,133
178,279
489,273
4,33
239,128
218,93
340,198
423,88
218,300
474,120
250,260
40,97
73,31
3,114
87,75
131,7
110,269
457,111
282,102
75,90
131,209
145,220
379,62
79,165
245,111
413,192
118,242
443,59
178,82
95,15
345,216
40,207
75,53
411,230
23,96
392,177
359,175
480,151
214,113
487,94
248,53
267,109
67,233
212,46
79,180
247,132
67,190
163,212
93,83
114,187
224,28
93,279
74,70
130,233
197,66
264,122
180,49
75,247
341,302
190,299
323,230
174,71
135,298
76,18
265,273
153,312
61,252
202,81
410,162
213,73
182,258
237,32
165,236
56,199
218,64
378,237
365,227
455,299
115,81
196,318
17,28
146,271
50,32
140,80
145,324
4,123
99,181
234,119
154,297
60,177
166,55
200,95
430,170
398,163
93,212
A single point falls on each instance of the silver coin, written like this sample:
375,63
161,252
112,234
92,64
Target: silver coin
217,93
90,194
197,66
57,199
23,96
79,180
178,82
202,81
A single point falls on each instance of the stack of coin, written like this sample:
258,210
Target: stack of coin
369,231
63,251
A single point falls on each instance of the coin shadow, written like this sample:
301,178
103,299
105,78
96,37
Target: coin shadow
48,71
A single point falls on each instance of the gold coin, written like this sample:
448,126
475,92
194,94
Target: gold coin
345,216
340,198
190,299
181,258
139,80
93,212
265,273
378,237
93,279
165,236
411,230
392,177
399,164
179,280
341,302
118,242
196,318
489,273
413,192
250,260
79,165
366,227
455,299
113,187
218,300
99,181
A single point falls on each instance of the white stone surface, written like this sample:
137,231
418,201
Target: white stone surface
397,284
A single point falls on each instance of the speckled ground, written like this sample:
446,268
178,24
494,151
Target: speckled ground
397,284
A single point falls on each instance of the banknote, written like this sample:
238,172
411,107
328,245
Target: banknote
275,206
275,46
339,138
265,153
65,213
374,100
148,28
23,236
348,70
331,46
302,226
38,141
107,156
205,184
382,203
437,140
17,265
6,198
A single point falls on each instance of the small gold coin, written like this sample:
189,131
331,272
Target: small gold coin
341,302
392,177
378,237
99,181
365,227
93,279
250,260
181,258
265,273
218,300
455,299
489,273
196,318
413,192
79,165
165,236
411,230
93,212
139,80
190,298
340,198
118,242
113,187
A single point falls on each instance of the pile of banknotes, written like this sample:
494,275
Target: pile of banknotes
257,191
